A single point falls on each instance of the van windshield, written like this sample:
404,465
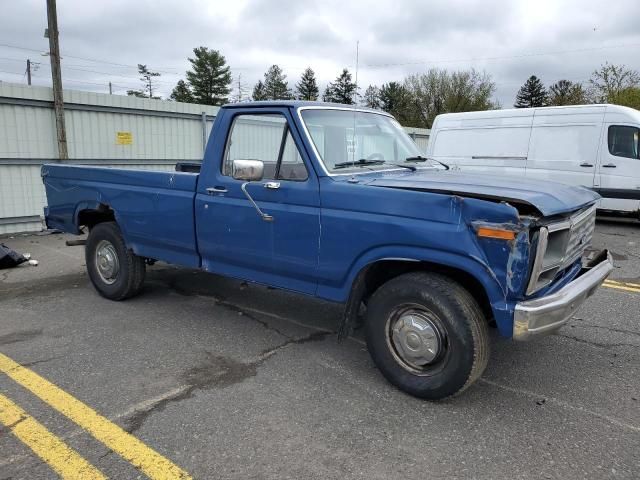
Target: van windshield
351,140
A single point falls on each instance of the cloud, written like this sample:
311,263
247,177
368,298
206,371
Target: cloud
510,40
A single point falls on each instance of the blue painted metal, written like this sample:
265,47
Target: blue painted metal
326,229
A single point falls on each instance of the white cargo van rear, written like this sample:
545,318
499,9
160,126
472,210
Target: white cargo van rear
591,145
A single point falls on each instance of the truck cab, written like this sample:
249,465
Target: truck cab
338,203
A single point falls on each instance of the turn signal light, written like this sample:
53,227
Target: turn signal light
487,232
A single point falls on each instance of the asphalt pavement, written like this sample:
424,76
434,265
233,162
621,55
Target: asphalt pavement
223,379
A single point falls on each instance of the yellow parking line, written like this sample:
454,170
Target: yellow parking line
621,287
149,461
626,284
65,461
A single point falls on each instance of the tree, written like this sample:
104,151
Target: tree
372,97
610,80
239,91
307,87
209,78
275,86
258,91
532,94
628,97
394,98
439,91
566,92
146,78
342,90
182,93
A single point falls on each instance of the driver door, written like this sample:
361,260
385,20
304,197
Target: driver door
233,239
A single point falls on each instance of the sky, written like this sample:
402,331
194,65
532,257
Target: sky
103,41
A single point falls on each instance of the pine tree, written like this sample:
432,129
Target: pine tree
565,92
258,91
209,78
275,84
182,93
532,94
372,97
147,79
343,90
307,87
393,97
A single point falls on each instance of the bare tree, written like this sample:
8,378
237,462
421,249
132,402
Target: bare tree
439,91
607,82
566,92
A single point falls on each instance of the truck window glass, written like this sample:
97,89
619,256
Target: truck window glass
260,137
291,167
255,137
623,141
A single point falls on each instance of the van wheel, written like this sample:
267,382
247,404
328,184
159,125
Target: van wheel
427,335
115,271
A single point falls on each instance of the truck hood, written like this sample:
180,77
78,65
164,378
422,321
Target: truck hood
549,198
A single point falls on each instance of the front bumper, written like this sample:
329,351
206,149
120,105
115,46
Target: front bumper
541,316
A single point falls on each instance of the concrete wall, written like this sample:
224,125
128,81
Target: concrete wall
161,133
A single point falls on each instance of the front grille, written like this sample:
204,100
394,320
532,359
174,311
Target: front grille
582,227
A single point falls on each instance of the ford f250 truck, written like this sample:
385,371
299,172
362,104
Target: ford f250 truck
338,203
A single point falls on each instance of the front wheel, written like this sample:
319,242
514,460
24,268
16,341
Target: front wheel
115,271
427,335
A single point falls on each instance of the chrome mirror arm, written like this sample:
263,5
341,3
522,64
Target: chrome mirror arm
265,216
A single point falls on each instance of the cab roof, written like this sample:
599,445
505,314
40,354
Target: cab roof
298,104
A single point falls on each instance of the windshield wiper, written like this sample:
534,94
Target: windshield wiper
363,162
420,158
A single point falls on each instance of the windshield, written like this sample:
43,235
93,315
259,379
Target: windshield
350,141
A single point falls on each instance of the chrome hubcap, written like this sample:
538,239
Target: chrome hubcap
107,262
416,338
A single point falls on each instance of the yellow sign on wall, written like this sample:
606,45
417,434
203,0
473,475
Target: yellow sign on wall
124,138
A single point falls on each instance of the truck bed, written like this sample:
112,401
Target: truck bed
154,209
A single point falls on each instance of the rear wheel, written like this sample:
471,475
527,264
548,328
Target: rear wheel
115,271
427,335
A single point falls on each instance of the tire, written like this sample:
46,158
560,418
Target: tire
124,280
418,310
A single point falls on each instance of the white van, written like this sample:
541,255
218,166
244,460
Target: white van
591,145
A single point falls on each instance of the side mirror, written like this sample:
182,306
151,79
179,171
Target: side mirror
247,170
250,171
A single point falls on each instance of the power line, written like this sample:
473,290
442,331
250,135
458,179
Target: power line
178,71
94,60
504,57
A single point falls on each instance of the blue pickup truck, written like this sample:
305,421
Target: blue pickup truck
338,203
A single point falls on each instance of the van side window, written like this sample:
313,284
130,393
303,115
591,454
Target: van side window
623,141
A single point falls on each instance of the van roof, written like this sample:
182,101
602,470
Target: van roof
621,113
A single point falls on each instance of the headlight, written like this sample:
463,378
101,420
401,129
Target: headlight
550,252
559,245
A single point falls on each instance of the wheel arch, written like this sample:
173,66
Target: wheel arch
474,276
90,214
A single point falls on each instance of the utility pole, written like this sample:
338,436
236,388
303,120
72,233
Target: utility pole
110,90
28,72
56,76
239,88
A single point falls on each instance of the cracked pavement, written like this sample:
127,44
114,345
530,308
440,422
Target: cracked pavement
230,380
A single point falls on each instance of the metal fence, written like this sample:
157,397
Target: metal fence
105,130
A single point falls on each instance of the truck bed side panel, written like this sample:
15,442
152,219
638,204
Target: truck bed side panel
153,209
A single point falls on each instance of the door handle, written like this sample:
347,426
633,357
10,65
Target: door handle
586,165
272,185
609,165
214,190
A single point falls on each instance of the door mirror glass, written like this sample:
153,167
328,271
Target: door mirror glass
247,170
